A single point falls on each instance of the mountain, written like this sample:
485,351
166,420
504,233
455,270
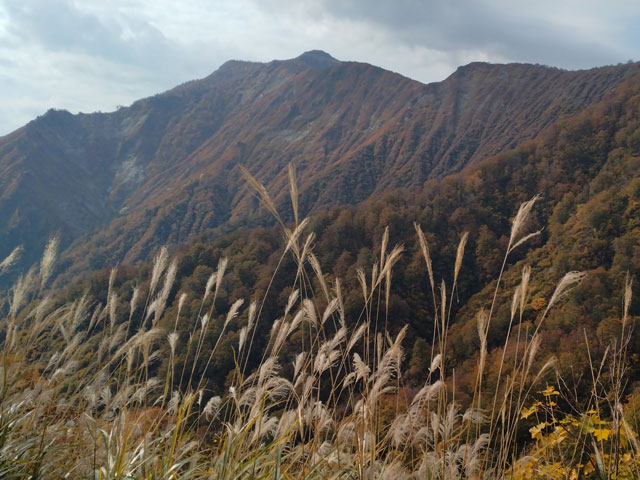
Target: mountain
116,185
585,169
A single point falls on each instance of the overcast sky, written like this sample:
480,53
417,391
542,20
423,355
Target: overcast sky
89,55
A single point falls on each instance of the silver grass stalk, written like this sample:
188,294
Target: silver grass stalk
331,308
166,290
292,237
19,292
181,301
262,193
337,339
383,247
627,299
268,369
66,335
169,279
298,363
308,243
11,259
275,327
387,289
80,311
325,360
391,260
435,363
515,302
460,255
251,316
210,283
212,408
105,396
150,310
204,320
174,403
10,339
293,191
534,345
361,369
374,277
524,286
222,266
519,222
233,312
159,264
315,264
118,336
424,246
172,338
357,335
471,456
338,291
564,287
113,304
112,279
363,282
309,311
48,260
481,323
524,239
426,394
307,390
473,415
40,318
293,297
242,337
443,296
287,423
135,295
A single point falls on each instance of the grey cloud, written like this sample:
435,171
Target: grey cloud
54,54
59,25
497,29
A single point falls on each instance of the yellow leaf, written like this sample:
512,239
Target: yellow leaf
601,433
527,412
588,468
558,435
550,390
536,432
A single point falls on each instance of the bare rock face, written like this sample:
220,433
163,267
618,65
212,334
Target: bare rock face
116,185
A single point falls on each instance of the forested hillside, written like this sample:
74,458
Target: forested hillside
118,185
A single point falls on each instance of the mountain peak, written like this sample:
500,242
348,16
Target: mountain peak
317,58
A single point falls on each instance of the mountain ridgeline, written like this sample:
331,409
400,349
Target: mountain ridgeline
164,170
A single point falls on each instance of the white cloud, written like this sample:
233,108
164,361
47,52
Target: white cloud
93,55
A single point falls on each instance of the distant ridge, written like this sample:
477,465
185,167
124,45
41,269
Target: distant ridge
117,185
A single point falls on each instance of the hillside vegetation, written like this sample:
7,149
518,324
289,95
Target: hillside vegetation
86,391
119,185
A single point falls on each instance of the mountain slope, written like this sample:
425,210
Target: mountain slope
585,169
164,169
